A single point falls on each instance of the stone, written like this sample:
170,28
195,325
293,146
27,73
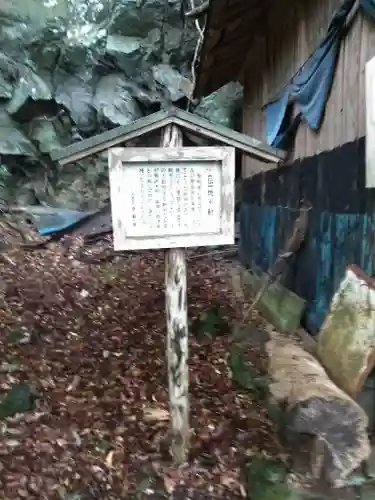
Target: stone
48,134
279,305
114,101
366,399
12,141
87,66
75,93
171,80
84,44
6,88
220,106
346,342
30,85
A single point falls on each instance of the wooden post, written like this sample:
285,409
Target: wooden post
177,333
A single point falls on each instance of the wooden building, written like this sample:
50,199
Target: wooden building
270,46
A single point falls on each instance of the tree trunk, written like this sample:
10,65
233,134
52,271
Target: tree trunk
303,401
177,334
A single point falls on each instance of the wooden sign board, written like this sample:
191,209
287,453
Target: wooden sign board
172,197
370,123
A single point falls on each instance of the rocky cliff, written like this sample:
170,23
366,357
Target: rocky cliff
70,69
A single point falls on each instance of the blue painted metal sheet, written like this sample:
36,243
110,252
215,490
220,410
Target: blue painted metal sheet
333,241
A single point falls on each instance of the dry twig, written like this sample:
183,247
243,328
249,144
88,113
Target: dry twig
293,244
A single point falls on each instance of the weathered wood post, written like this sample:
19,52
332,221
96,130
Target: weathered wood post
177,332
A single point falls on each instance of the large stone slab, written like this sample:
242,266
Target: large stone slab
346,342
279,306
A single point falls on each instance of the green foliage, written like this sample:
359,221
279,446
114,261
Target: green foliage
244,374
210,324
19,399
266,480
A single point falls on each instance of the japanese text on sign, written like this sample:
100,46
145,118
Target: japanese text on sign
173,199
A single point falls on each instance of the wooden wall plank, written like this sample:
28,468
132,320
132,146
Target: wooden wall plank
361,92
302,47
294,30
351,80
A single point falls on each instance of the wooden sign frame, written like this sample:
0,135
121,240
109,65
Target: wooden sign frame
370,122
121,159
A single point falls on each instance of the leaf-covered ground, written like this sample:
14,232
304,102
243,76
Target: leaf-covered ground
90,341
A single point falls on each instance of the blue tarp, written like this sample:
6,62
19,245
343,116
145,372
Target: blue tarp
369,7
309,88
50,220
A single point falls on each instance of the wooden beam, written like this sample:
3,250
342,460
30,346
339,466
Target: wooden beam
248,145
111,138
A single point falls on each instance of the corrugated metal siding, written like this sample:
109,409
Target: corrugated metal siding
333,241
341,223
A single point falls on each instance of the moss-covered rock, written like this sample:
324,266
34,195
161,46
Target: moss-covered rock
19,399
279,306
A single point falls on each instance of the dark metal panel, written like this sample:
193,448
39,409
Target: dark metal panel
335,238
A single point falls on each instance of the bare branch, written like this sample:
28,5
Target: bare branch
199,11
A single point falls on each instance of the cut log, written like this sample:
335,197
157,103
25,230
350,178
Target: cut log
308,403
314,405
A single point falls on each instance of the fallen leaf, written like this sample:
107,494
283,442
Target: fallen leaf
169,484
109,459
102,418
74,384
156,414
61,442
232,483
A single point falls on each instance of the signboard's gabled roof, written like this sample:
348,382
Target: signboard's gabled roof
184,119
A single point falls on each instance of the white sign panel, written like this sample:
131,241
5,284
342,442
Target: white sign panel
370,123
172,197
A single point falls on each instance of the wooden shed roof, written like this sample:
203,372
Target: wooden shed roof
231,29
186,120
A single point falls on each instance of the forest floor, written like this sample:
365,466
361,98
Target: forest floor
82,353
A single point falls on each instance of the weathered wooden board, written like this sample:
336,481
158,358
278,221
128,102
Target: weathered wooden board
370,123
172,197
186,121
